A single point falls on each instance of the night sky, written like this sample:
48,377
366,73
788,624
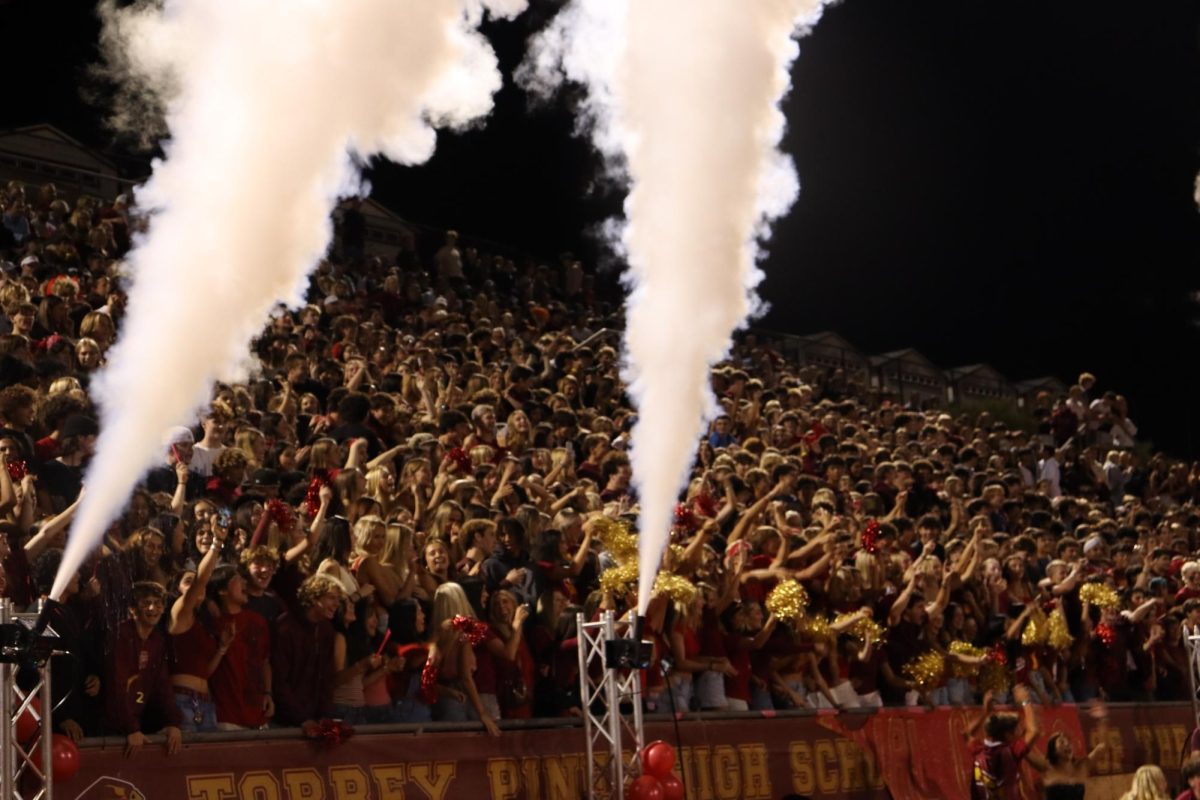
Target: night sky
984,181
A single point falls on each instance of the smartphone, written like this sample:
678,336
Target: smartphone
224,517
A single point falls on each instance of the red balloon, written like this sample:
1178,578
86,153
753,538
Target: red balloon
646,787
64,758
658,759
27,726
672,788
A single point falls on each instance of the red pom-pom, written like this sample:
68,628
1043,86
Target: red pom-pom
328,732
281,514
312,497
473,630
429,683
998,655
460,459
17,470
684,518
1106,634
870,537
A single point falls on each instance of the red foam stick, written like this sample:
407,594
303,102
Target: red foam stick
386,635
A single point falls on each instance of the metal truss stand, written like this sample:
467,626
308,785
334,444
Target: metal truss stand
1191,641
22,777
614,738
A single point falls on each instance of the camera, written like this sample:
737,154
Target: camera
627,654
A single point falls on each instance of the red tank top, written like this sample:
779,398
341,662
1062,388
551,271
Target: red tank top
193,651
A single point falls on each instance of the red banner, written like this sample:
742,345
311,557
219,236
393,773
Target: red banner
916,755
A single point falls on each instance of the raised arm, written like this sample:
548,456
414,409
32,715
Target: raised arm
183,610
1032,729
325,495
179,498
977,721
901,603
49,531
579,561
752,514
386,457
1141,612
1013,629
357,454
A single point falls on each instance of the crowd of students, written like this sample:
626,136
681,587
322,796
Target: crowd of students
400,516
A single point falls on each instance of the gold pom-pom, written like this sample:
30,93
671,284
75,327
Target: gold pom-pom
673,559
679,589
815,626
861,628
619,580
961,648
926,670
1058,635
616,537
787,601
994,677
1100,595
1036,628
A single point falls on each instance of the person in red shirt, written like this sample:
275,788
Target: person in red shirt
241,683
749,633
139,686
198,647
997,758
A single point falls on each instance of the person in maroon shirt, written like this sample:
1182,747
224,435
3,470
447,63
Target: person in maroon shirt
197,646
302,654
996,760
749,634
241,683
137,677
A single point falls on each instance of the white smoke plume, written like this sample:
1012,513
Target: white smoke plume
270,107
683,99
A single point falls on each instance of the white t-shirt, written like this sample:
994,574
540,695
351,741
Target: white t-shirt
203,458
1048,471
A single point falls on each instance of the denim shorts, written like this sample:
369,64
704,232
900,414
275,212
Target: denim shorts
199,715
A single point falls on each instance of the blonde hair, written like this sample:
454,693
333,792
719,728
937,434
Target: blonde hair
364,529
228,461
439,526
93,322
314,588
449,601
516,441
64,386
376,488
395,540
1147,783
411,467
481,454
13,295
